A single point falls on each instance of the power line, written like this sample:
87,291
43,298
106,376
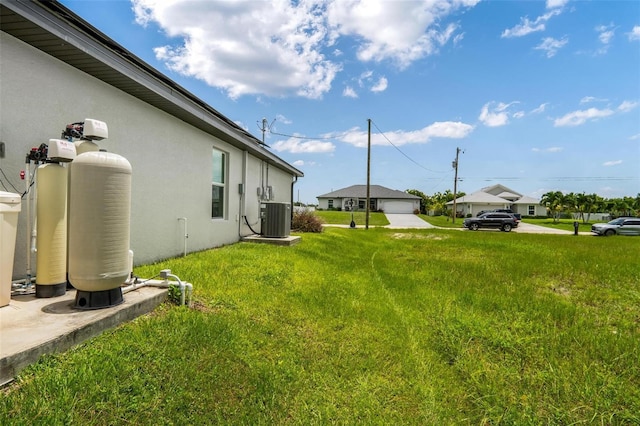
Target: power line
556,178
401,152
337,137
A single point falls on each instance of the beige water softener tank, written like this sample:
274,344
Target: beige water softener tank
99,228
51,230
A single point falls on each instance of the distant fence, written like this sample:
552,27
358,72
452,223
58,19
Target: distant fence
304,208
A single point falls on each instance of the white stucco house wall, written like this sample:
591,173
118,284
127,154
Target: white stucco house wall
498,197
381,199
188,160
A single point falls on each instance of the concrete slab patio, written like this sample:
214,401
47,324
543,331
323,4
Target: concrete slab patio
32,327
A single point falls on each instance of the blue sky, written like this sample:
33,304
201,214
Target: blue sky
540,96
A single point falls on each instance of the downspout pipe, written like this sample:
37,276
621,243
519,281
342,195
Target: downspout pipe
295,179
242,207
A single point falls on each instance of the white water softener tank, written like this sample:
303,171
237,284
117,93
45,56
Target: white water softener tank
10,205
99,228
51,278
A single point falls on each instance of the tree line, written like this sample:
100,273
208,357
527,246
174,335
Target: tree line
437,202
558,204
583,205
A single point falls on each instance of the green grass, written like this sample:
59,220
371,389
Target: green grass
367,327
344,218
564,224
443,221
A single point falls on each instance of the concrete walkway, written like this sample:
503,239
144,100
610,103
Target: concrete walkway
406,221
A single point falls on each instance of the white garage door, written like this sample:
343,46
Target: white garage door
398,207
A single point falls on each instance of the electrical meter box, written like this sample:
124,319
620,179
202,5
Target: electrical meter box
275,219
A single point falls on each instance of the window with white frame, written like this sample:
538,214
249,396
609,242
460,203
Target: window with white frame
218,183
330,204
532,210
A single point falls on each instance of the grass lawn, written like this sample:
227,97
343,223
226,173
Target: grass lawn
443,221
344,218
422,327
564,224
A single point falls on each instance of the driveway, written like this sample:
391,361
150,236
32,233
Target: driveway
409,221
404,221
528,228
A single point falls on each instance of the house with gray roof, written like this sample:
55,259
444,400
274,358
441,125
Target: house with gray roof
380,199
498,197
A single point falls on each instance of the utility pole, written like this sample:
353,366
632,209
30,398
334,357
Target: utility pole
368,172
265,126
455,185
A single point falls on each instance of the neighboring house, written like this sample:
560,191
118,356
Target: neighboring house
188,160
498,197
380,198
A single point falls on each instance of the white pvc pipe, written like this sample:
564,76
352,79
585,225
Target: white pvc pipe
186,234
34,232
184,288
28,212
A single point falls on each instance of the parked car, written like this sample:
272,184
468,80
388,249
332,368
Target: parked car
620,226
503,221
516,215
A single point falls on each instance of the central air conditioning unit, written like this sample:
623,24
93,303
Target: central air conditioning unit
275,219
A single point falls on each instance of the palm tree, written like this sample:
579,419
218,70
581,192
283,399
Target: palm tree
553,201
586,203
570,203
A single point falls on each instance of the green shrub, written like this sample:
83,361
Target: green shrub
306,221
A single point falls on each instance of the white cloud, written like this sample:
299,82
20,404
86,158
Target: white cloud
552,4
458,39
526,26
349,92
577,118
627,106
367,80
282,119
445,129
381,85
496,115
298,163
518,114
634,34
540,109
395,30
634,137
606,33
292,43
551,45
612,163
297,146
589,99
550,149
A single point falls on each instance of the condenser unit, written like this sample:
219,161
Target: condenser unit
276,219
